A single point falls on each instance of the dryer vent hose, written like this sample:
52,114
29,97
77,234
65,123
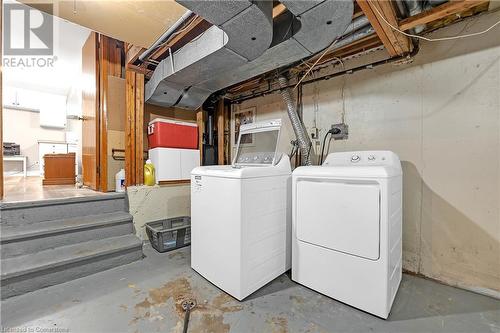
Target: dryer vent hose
297,124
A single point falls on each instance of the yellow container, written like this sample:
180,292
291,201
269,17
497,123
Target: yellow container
149,173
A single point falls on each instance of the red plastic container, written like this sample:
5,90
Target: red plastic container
166,133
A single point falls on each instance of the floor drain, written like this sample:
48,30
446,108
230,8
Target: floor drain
187,305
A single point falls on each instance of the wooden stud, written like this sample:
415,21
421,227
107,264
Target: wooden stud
227,133
278,9
395,43
139,128
197,26
134,128
104,68
132,52
439,12
130,128
200,120
220,131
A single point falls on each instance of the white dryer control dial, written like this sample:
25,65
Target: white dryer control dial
355,158
371,158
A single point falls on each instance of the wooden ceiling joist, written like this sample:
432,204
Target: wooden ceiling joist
196,27
395,43
438,12
132,52
278,9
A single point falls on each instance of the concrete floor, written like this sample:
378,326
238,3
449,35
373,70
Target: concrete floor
145,296
19,188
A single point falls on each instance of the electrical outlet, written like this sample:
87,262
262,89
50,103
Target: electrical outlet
344,131
314,133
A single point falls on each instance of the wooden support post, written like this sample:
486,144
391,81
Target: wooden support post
139,128
134,128
394,42
130,128
105,64
200,120
220,132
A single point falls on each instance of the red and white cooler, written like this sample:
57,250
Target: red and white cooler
167,133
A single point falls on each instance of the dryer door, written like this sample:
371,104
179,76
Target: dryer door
341,216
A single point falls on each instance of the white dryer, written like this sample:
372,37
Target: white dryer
347,228
241,214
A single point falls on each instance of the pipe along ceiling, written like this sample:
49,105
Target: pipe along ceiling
244,42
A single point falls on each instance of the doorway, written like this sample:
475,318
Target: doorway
42,115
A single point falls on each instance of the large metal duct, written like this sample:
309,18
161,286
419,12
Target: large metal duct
241,32
305,29
363,32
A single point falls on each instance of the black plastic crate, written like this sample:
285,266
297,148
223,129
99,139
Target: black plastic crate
169,234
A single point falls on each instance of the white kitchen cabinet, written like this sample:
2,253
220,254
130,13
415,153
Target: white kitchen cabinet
53,111
22,98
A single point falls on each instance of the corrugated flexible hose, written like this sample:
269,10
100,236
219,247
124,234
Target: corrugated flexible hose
297,124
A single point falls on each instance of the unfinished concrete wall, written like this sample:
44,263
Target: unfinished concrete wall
441,115
152,203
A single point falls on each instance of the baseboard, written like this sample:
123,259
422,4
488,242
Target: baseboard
30,173
59,181
478,290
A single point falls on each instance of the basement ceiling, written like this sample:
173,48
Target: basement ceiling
136,22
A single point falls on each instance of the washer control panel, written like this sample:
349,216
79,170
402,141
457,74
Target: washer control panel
256,158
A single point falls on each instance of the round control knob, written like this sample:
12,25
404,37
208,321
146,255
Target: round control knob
355,158
255,158
371,158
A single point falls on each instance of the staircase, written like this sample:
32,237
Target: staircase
48,242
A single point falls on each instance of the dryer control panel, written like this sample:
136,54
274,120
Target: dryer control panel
362,158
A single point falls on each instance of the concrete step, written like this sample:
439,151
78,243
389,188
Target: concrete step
31,272
35,237
26,212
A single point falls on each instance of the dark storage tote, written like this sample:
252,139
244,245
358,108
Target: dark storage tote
169,234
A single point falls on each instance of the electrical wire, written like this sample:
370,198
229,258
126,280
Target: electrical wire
177,32
342,91
320,158
401,32
316,62
433,39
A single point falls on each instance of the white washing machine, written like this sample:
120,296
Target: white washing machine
347,228
241,214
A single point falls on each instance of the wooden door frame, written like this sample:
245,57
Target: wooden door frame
107,63
101,114
95,112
